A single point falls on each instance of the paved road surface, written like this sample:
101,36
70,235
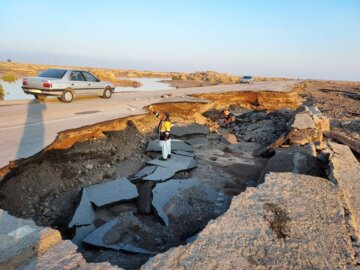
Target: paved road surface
27,126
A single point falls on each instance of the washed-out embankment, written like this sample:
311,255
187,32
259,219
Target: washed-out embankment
180,111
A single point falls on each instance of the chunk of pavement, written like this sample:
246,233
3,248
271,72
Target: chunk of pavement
229,138
142,173
264,228
112,192
308,126
198,141
84,214
167,168
164,192
176,145
192,129
96,238
345,169
80,233
184,153
160,174
294,159
21,239
126,225
64,256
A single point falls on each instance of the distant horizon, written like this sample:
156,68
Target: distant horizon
305,40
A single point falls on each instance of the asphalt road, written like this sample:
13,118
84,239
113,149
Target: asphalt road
27,126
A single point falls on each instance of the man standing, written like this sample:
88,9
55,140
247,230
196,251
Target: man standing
164,133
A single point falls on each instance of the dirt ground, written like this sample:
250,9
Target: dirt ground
339,101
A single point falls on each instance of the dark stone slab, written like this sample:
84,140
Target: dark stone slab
164,192
160,174
143,172
198,141
192,129
177,162
184,153
84,214
176,145
112,192
96,239
168,168
80,233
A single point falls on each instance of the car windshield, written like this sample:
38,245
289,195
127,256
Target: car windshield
247,77
53,73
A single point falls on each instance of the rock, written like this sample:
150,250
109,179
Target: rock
229,138
21,239
345,170
290,222
64,256
308,126
89,166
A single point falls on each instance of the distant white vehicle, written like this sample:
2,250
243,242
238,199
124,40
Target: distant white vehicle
247,79
66,84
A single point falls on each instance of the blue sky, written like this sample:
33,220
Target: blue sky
300,39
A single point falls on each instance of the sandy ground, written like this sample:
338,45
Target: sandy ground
339,101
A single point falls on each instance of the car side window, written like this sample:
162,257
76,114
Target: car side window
76,76
89,77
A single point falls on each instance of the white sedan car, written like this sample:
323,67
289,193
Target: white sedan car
66,84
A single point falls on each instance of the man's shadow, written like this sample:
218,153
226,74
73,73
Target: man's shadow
33,137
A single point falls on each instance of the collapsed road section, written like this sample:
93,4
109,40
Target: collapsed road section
110,194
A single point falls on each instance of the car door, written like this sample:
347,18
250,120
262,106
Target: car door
78,83
93,83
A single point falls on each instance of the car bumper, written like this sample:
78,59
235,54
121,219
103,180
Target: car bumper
45,92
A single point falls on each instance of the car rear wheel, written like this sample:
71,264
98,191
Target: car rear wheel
67,96
107,93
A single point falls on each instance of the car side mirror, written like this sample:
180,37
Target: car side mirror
97,80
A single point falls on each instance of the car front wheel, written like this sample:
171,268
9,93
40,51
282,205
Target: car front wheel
107,93
67,96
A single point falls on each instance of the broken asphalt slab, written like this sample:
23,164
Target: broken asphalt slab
96,238
198,141
193,129
101,195
176,145
112,192
165,192
84,214
21,239
168,168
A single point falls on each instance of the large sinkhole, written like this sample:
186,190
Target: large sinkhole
114,199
